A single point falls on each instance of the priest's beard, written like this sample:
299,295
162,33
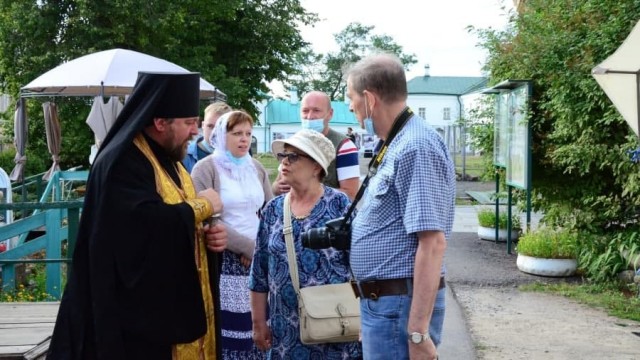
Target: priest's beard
178,152
175,144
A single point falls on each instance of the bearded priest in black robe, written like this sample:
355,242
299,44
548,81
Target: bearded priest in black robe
140,284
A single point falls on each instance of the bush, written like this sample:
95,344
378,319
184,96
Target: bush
549,243
36,164
6,160
601,255
582,175
487,218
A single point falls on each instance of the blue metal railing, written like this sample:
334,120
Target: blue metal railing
57,216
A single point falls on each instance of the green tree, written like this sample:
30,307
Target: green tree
578,136
478,123
325,72
238,45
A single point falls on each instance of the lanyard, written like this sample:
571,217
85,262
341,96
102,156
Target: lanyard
398,124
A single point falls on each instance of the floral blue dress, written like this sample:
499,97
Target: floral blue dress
270,273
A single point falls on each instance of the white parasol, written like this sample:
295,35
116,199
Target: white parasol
106,73
619,77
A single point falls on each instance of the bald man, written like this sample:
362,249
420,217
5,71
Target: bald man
344,171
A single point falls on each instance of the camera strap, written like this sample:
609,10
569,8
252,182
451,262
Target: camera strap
398,124
287,230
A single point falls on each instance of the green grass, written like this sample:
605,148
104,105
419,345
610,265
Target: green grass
465,201
269,161
474,165
622,303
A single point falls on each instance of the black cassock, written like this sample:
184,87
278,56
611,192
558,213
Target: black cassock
133,290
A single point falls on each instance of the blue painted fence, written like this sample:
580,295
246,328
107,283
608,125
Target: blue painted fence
55,215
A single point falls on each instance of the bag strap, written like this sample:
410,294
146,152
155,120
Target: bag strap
288,238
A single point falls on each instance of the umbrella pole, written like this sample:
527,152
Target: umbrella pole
23,117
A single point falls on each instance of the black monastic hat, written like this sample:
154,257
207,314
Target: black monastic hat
181,96
155,95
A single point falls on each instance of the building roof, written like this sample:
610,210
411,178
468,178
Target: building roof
284,112
445,85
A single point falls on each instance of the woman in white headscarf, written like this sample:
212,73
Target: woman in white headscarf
244,187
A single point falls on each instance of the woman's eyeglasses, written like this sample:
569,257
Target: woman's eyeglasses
292,156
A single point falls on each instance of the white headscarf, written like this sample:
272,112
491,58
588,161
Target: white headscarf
240,169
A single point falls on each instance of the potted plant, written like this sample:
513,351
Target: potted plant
548,252
487,225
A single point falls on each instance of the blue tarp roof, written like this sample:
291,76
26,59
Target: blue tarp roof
284,112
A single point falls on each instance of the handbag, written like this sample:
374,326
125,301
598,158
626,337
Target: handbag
328,313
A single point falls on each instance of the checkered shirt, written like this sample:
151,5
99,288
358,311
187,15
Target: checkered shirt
413,191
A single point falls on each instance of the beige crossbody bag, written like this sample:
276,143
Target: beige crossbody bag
328,313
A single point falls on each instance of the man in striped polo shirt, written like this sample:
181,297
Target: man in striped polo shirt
344,171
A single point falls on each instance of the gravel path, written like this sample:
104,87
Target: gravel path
506,323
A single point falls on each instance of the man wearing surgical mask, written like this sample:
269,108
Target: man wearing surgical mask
399,235
344,172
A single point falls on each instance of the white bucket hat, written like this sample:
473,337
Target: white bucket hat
312,143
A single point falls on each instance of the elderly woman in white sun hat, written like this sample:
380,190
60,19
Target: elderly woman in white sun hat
304,159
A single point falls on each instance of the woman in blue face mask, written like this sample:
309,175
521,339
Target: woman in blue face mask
243,185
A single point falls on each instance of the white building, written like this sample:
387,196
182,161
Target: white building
440,100
443,101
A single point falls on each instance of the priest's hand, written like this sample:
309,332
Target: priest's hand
214,199
215,237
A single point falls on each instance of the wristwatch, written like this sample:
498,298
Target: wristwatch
417,338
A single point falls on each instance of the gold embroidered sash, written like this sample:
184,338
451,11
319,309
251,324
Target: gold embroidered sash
205,347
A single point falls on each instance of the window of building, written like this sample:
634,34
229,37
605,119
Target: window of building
422,112
446,113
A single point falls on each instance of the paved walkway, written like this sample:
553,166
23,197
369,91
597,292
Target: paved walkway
487,317
466,218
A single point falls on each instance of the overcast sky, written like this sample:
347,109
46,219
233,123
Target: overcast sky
433,30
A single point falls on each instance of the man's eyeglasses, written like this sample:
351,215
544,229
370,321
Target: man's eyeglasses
292,156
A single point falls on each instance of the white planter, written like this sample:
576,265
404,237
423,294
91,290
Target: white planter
546,267
487,233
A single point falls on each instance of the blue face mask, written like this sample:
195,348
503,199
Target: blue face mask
207,146
236,160
368,126
368,121
313,124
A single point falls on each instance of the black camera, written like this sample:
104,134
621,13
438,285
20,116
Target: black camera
336,233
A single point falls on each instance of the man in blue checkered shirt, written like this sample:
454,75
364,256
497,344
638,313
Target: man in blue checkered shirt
400,232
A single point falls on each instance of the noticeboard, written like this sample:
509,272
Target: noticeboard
501,131
518,149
